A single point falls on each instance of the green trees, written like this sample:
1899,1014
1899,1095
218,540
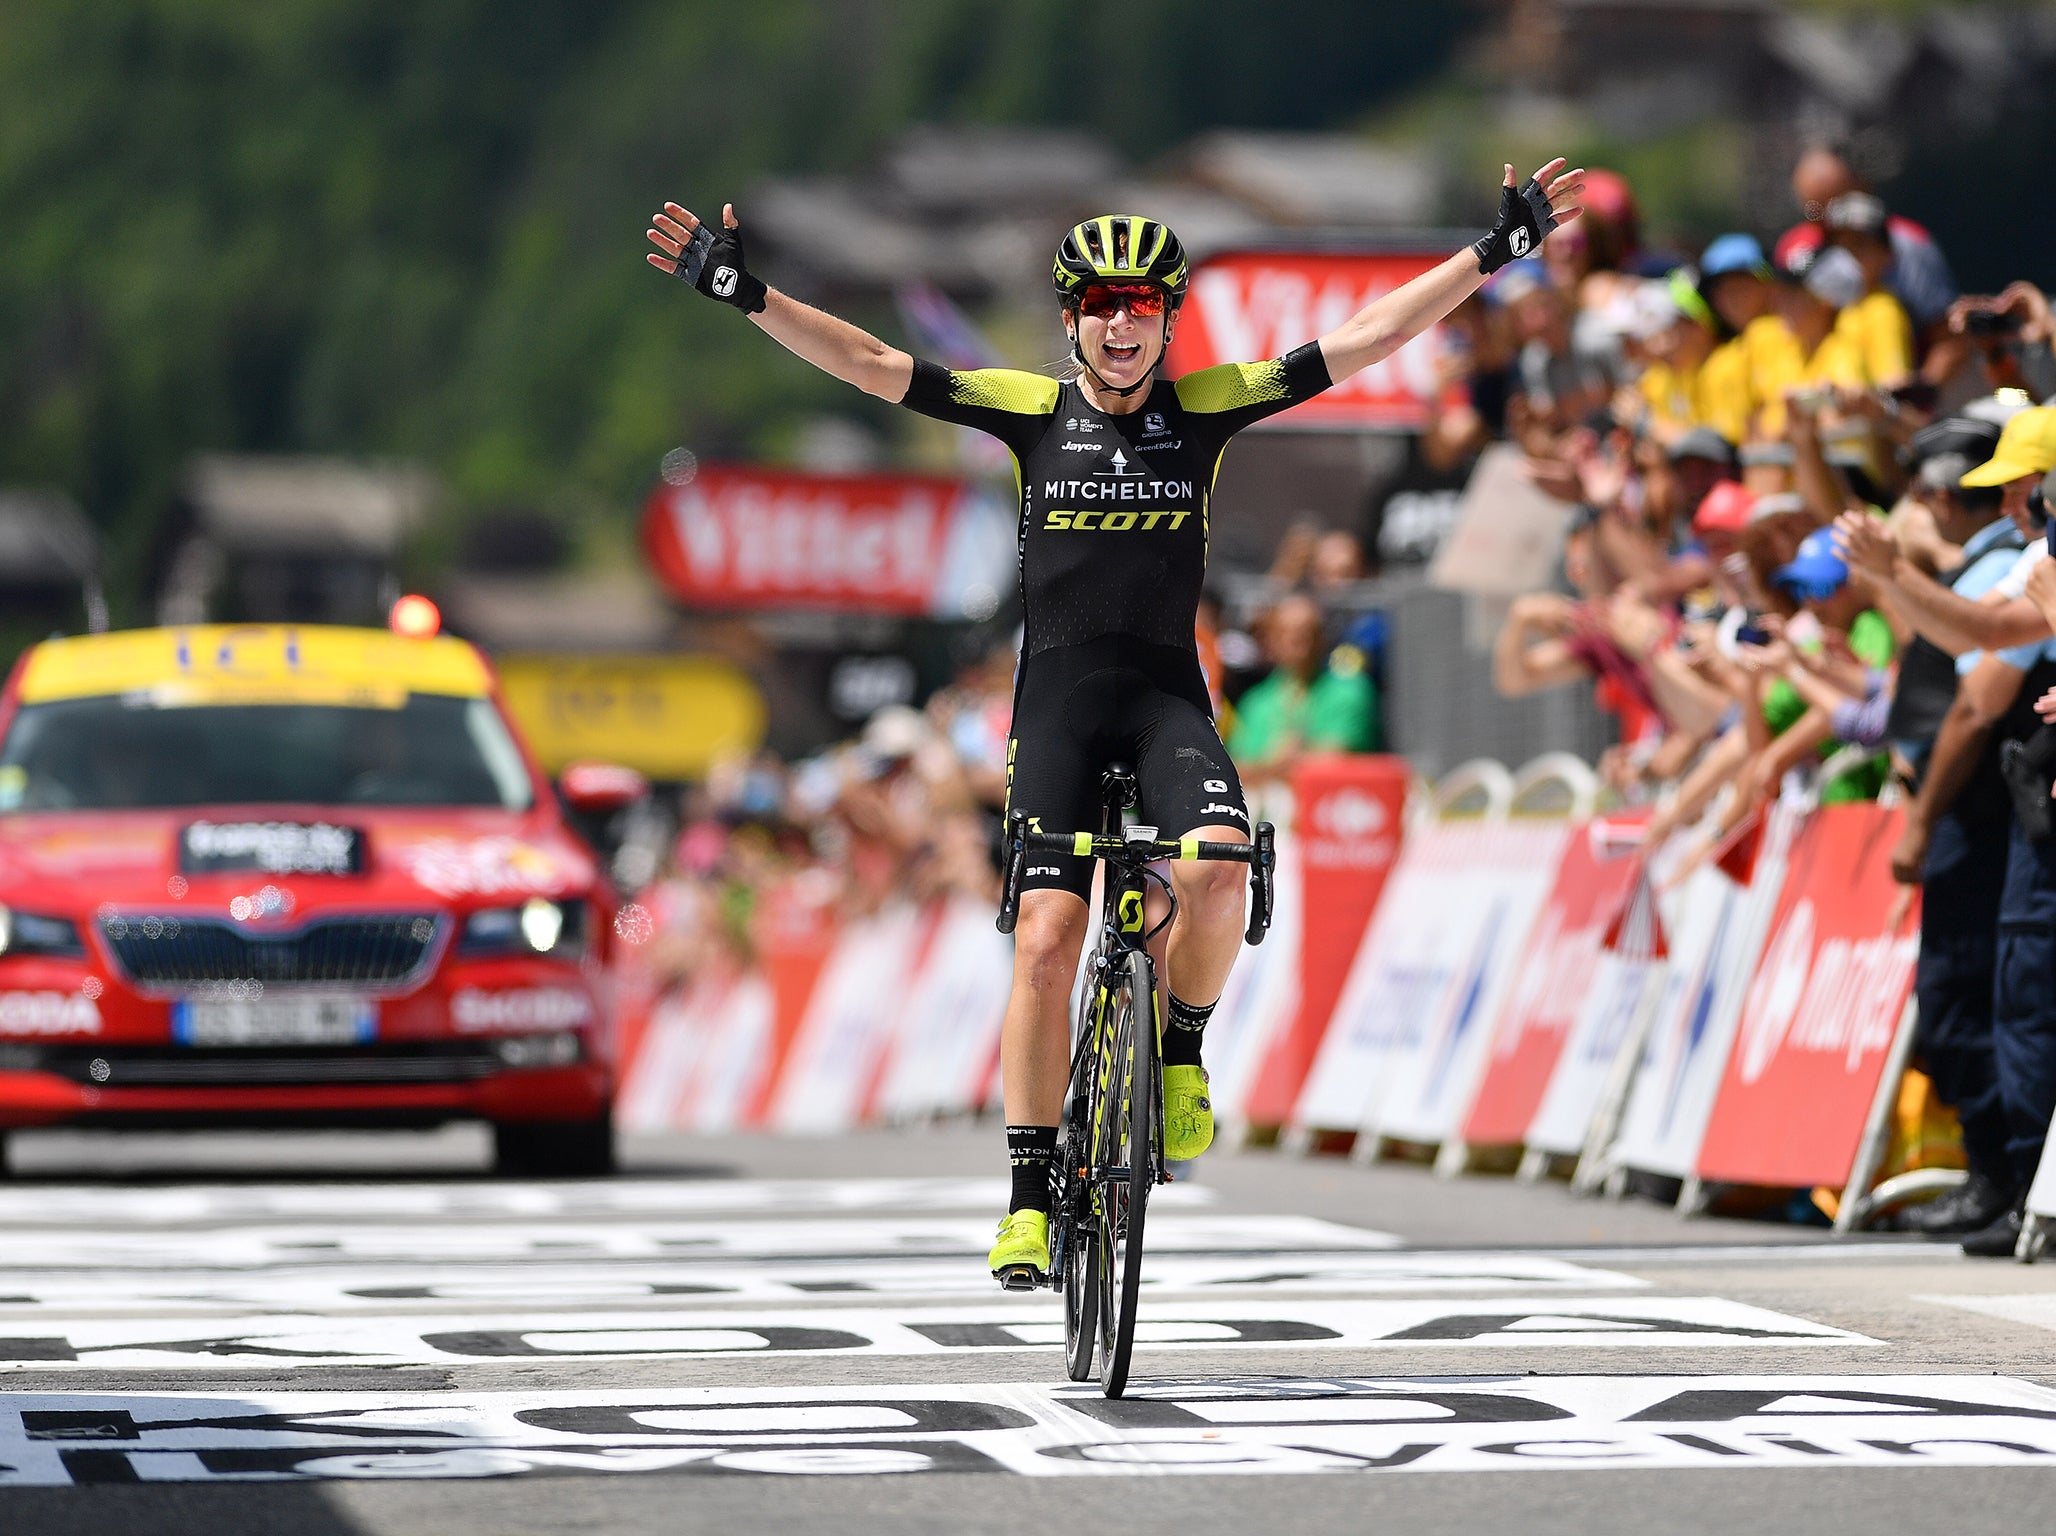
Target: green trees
384,227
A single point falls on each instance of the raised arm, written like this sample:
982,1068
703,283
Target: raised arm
834,346
1546,201
1955,623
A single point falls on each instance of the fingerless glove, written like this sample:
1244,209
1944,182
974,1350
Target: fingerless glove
1524,218
712,262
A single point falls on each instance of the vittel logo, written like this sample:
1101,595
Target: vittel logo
1350,813
1352,830
1838,1003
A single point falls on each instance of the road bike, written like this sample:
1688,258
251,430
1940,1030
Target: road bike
1111,1150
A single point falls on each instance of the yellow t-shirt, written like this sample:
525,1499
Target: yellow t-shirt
1837,361
1672,395
1725,402
1877,328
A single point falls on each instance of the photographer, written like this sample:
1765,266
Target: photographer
2011,337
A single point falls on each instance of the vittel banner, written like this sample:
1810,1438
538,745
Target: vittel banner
1246,305
743,536
1821,1012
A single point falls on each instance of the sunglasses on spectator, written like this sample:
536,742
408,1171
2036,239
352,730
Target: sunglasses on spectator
1141,300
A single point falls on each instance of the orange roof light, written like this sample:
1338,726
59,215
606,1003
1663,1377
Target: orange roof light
414,617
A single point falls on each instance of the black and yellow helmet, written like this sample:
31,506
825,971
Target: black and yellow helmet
1121,248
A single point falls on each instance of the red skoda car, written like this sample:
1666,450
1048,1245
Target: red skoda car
301,877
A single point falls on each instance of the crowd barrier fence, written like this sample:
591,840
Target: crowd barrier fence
1481,970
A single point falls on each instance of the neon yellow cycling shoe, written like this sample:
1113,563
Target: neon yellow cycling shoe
1020,1259
1188,1113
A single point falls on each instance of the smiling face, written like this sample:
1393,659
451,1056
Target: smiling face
1119,345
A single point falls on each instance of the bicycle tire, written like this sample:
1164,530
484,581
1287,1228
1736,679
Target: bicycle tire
1079,1268
1127,1147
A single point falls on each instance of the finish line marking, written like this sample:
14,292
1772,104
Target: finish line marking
112,1205
397,1287
1165,1428
1491,1323
888,1236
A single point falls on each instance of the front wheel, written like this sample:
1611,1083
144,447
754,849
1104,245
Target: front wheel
1124,1160
555,1149
1080,1261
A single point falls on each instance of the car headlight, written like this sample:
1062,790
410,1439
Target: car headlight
536,927
30,933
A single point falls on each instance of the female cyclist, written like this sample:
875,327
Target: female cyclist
1116,465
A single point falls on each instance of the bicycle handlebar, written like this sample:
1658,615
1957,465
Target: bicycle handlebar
1261,856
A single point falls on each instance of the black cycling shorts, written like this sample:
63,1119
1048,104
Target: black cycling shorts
1078,708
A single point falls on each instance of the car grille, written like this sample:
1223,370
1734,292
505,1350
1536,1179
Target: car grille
443,1061
380,952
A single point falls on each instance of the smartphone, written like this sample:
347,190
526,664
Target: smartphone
1751,634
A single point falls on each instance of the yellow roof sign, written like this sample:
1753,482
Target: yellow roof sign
254,664
670,717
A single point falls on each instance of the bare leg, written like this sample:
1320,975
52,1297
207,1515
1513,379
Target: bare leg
1035,1043
1207,933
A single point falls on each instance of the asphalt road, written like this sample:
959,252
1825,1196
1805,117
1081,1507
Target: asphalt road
368,1334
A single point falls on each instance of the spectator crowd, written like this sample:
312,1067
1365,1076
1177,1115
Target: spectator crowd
1810,554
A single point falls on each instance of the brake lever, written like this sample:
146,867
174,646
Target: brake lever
1010,885
1261,863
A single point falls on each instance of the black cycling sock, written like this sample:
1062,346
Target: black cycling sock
1031,1149
1187,1027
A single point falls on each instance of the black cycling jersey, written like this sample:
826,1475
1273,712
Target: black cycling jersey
1114,526
1113,539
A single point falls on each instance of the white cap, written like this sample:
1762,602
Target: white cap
1651,309
1835,278
896,731
1999,407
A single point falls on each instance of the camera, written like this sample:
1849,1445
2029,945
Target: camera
1990,323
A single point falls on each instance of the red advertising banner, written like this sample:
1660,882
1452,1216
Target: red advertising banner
1554,980
1350,816
1820,1013
741,536
1248,305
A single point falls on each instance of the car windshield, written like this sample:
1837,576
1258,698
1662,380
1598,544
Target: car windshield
131,753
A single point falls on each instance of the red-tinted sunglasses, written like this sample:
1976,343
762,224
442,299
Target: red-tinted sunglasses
1141,300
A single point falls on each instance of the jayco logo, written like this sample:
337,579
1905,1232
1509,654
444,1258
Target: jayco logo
724,282
1519,242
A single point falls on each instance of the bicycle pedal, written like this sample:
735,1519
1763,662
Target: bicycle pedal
1018,1277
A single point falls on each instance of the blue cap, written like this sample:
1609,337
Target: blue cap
1516,280
1733,253
1816,571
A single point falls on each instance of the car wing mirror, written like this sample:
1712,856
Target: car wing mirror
600,789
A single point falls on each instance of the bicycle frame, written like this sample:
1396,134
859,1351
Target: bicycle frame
1125,854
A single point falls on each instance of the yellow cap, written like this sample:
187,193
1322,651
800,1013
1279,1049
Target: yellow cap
2027,446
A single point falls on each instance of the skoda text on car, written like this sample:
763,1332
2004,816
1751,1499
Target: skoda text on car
292,876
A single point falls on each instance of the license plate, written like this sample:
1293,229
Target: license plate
273,1021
